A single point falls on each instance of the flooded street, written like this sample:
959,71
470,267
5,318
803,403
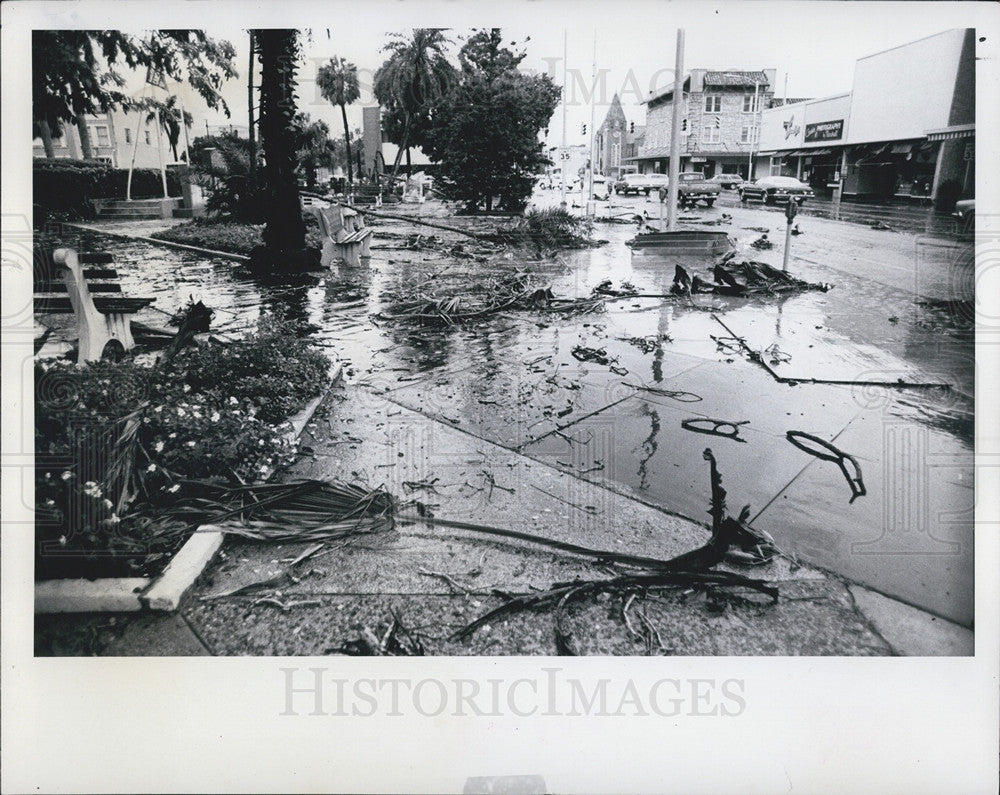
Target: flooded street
633,413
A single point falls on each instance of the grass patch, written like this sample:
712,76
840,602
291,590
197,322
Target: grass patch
228,236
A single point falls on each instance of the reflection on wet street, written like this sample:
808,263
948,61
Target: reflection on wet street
634,416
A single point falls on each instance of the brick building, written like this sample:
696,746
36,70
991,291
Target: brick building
721,122
613,142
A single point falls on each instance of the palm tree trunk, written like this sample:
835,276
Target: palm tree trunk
250,131
347,143
284,231
403,144
46,134
409,168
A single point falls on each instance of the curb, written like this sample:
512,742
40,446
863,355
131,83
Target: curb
166,243
164,594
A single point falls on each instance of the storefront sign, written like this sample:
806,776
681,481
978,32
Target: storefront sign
825,131
699,159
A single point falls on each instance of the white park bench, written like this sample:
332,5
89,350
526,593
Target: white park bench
100,318
345,235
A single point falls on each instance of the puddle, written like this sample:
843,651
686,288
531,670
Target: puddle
513,379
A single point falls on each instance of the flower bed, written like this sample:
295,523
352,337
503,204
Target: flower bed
119,446
234,238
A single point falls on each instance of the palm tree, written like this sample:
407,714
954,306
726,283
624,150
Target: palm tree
338,84
170,120
412,80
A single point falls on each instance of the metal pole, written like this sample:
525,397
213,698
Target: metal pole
159,154
756,87
675,134
791,210
593,107
135,148
562,152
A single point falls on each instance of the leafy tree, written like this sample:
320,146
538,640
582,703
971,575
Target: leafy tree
410,84
284,232
338,84
316,150
75,72
486,132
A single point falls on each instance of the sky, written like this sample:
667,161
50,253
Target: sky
815,44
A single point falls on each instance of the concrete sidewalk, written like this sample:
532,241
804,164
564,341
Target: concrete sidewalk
436,580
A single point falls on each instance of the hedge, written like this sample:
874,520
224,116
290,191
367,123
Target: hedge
68,187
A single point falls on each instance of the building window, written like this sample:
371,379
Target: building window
750,135
148,141
128,135
616,154
713,103
749,106
102,135
710,134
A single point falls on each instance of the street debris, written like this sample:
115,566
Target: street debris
881,225
649,343
694,569
584,354
762,243
396,641
829,452
697,425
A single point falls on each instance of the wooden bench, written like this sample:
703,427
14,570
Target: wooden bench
345,235
63,286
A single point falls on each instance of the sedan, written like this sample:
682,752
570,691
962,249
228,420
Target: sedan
965,215
771,190
727,180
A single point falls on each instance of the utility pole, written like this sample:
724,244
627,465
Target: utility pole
593,107
563,154
675,134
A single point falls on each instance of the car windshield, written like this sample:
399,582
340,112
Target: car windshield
782,182
691,177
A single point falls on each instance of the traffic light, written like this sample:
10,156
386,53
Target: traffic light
718,123
631,127
684,126
583,129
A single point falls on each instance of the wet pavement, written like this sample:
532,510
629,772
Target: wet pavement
895,312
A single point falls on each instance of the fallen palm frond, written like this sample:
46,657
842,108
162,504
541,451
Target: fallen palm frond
301,511
692,569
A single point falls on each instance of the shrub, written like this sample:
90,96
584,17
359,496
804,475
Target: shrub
115,442
548,228
68,188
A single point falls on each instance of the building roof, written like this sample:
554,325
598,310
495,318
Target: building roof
736,79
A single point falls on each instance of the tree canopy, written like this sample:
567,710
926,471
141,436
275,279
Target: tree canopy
411,84
338,84
76,72
486,131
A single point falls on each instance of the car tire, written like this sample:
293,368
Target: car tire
709,202
743,197
768,200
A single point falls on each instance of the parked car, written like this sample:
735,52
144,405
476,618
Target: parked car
640,183
727,180
692,187
965,215
771,190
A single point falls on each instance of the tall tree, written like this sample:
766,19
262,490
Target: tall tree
284,232
487,131
75,72
338,84
410,84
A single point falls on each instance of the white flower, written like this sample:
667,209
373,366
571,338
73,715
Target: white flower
114,519
260,442
108,504
67,475
158,446
173,435
233,401
187,387
190,444
174,488
151,468
216,416
62,540
180,412
158,409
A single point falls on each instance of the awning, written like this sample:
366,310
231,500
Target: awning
902,149
817,152
951,133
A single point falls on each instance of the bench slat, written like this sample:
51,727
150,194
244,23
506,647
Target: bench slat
53,304
127,306
94,287
95,257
